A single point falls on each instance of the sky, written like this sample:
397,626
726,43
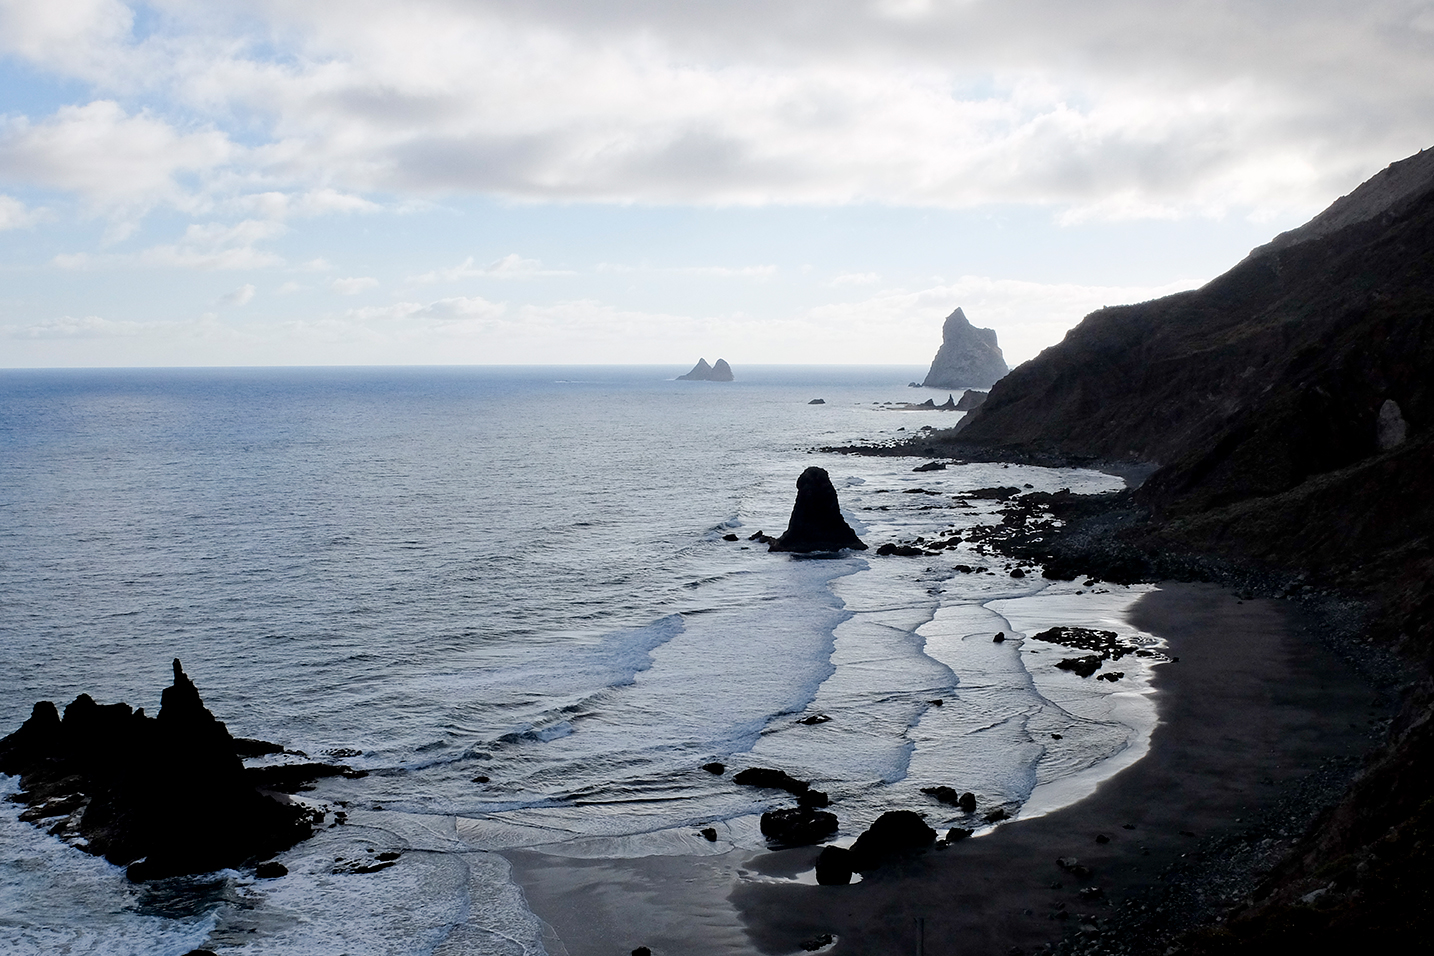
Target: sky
351,182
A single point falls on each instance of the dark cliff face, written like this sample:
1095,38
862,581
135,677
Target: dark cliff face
1288,405
1271,374
968,358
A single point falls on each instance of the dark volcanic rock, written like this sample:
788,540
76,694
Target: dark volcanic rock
715,767
971,399
771,779
798,826
163,795
702,372
968,358
894,833
816,523
1084,666
834,866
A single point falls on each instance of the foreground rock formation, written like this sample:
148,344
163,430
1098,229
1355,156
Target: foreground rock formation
968,358
816,523
162,795
702,372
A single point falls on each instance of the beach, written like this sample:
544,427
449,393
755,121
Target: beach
1252,704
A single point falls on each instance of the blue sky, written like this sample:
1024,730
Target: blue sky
495,181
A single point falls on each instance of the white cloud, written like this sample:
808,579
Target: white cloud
856,278
353,285
511,266
240,296
15,215
1115,109
109,157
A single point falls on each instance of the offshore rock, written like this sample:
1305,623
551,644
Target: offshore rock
161,795
702,372
968,358
816,523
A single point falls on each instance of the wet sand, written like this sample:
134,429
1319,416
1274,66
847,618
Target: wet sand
1252,702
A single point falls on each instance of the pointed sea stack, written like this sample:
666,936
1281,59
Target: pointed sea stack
817,524
702,372
968,358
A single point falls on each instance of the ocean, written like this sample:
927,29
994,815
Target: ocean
518,574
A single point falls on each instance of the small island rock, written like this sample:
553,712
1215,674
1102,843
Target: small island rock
702,372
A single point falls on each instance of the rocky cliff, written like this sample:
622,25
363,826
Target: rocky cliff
1285,409
968,358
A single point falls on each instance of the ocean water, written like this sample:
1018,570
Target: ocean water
517,574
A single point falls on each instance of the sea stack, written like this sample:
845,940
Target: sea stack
968,358
817,524
702,372
162,795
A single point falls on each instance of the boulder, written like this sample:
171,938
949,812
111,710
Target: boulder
968,358
798,826
834,866
771,779
894,833
1084,666
816,523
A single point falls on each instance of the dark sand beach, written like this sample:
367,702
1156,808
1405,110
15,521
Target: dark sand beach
1254,704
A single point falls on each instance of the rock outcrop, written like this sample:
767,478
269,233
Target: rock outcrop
968,358
702,372
816,523
161,795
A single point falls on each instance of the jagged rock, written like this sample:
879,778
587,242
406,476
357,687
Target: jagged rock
968,358
971,399
899,550
709,834
931,466
771,779
1084,666
943,793
798,826
894,832
1390,428
949,405
702,372
162,795
834,866
816,523
817,401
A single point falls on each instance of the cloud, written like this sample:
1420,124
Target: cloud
107,156
239,297
856,278
511,266
1113,109
354,285
15,215
206,247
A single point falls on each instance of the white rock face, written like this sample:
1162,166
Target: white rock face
1391,429
968,358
